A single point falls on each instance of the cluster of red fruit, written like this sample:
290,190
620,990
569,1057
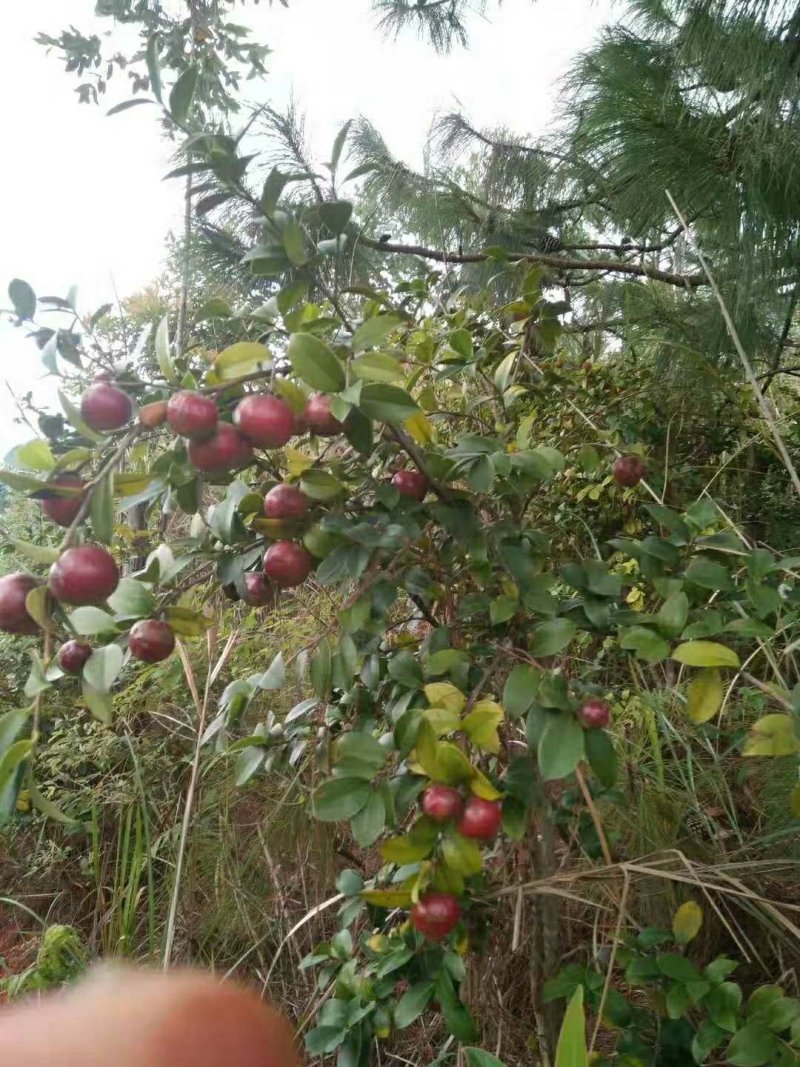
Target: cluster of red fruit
436,914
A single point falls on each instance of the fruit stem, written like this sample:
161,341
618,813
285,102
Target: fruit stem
107,467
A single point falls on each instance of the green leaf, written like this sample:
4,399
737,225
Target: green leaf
12,758
673,614
248,762
386,403
461,854
372,332
74,418
686,922
102,667
37,553
100,704
771,735
274,676
101,511
131,600
705,654
705,695
368,824
47,807
677,967
377,367
240,359
551,637
324,1039
294,243
706,1039
561,747
412,1004
153,66
752,1046
708,574
320,485
91,620
646,643
182,95
477,1057
320,669
571,1049
601,756
23,298
678,1001
273,187
33,456
336,214
722,1004
338,145
11,723
316,363
340,798
186,623
358,755
481,725
163,357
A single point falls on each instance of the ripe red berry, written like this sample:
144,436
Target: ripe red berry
151,640
300,425
412,484
320,418
84,575
480,818
63,509
287,564
266,421
258,590
14,617
223,452
628,470
435,915
594,714
285,502
442,803
73,655
152,415
192,415
104,406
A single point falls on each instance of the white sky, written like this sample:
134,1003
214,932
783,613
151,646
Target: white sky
82,198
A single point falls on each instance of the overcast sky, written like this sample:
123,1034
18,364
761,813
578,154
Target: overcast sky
82,198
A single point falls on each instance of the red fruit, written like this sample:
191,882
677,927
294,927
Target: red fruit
594,714
628,470
285,502
412,484
63,509
192,415
287,564
104,406
14,617
151,640
321,421
258,591
480,819
72,655
300,425
435,915
152,415
442,803
266,421
84,575
225,451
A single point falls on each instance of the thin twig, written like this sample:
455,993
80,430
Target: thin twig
598,824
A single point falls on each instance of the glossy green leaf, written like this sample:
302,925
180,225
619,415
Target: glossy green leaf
386,403
377,367
551,637
102,668
601,756
37,553
320,485
131,600
752,1046
772,735
23,298
412,1004
571,1050
101,511
368,824
240,359
372,332
705,694
561,747
182,94
90,620
340,798
316,363
336,214
75,419
477,1057
705,654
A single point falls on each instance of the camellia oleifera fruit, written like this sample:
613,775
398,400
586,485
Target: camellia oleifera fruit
153,415
225,451
287,564
14,617
151,640
104,406
84,575
73,655
285,502
480,819
412,484
319,418
258,590
266,421
64,509
628,470
435,915
594,714
442,803
192,415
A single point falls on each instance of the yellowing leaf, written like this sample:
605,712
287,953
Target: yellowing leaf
794,802
420,428
297,461
686,922
291,393
481,724
772,735
426,750
387,898
445,695
442,720
453,765
461,854
705,695
482,787
705,654
240,359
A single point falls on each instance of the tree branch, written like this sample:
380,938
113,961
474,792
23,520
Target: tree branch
614,266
